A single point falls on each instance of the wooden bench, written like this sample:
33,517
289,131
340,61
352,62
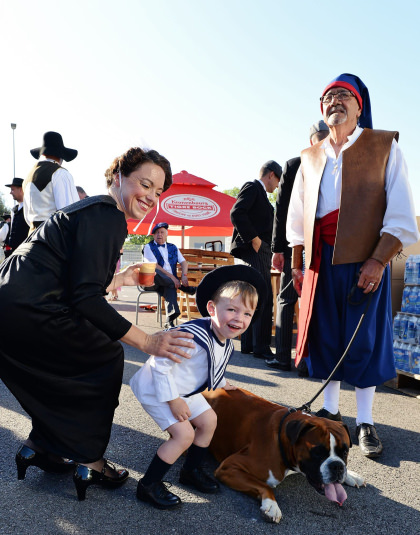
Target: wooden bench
200,262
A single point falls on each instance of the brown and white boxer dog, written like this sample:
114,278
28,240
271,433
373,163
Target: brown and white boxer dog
258,443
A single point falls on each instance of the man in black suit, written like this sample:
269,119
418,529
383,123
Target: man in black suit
252,217
281,261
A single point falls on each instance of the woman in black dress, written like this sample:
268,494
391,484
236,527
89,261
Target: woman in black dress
60,354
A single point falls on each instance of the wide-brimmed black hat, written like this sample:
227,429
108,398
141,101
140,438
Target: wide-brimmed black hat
53,146
15,182
6,216
238,272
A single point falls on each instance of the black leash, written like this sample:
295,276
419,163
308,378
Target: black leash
367,297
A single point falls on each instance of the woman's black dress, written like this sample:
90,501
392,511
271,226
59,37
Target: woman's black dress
59,349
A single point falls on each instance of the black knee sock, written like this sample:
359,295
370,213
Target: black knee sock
195,457
156,471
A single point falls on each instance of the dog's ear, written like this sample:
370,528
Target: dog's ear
296,428
348,432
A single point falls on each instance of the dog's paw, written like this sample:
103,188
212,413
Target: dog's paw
354,480
270,510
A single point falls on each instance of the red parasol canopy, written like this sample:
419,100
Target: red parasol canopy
191,207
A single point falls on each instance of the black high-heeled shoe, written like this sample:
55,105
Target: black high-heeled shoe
26,456
83,477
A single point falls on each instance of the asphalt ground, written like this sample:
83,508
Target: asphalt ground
45,504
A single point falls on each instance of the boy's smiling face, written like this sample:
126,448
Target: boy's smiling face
230,317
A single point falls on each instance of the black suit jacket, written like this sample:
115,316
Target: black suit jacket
252,215
279,244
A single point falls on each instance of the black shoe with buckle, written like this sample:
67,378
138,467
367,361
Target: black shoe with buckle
157,495
323,413
198,479
277,365
369,442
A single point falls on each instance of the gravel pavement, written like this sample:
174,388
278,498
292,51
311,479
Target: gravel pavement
46,504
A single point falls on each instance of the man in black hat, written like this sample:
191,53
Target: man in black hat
19,228
281,261
49,186
252,217
166,283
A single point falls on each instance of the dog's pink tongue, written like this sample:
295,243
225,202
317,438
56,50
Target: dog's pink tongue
335,492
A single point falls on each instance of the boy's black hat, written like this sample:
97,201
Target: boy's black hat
238,272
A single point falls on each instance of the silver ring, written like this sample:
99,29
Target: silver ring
371,284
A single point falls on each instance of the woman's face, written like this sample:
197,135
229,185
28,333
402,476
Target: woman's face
138,192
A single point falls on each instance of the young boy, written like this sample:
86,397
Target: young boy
170,392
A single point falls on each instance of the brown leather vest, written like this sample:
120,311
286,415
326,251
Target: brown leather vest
363,196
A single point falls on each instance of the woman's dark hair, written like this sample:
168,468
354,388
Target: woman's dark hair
133,159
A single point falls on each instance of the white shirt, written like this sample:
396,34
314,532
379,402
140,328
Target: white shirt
3,232
60,192
400,216
148,256
161,379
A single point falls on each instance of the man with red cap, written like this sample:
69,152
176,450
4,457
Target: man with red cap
352,211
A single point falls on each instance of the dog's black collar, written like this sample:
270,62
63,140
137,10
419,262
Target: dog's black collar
286,461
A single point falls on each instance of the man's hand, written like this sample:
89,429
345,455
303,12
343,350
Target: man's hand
277,261
179,409
256,243
370,275
297,276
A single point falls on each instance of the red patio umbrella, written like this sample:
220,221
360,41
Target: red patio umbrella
191,207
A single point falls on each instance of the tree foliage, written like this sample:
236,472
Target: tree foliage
3,208
133,241
235,191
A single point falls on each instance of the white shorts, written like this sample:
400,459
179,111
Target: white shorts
162,414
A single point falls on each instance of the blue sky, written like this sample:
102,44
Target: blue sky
218,87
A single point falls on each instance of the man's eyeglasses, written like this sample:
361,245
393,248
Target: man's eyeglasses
341,95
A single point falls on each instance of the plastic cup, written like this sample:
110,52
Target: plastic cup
147,273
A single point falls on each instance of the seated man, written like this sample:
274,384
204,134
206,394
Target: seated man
166,283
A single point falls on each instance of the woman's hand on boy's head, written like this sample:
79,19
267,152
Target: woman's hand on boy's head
229,386
179,409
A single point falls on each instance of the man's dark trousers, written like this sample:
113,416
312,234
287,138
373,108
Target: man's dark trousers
165,286
286,301
257,337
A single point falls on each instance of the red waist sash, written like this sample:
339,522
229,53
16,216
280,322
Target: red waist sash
325,230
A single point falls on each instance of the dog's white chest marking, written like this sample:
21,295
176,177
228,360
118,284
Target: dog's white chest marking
272,481
270,510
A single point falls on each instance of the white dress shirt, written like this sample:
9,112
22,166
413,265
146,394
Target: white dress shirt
148,256
400,217
60,192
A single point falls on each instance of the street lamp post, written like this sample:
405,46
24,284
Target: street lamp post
13,125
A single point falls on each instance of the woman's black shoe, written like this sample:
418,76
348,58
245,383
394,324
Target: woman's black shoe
198,479
83,477
26,456
158,495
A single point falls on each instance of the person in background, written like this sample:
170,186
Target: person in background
281,260
166,283
66,371
252,218
81,192
4,228
227,297
48,187
352,211
19,229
